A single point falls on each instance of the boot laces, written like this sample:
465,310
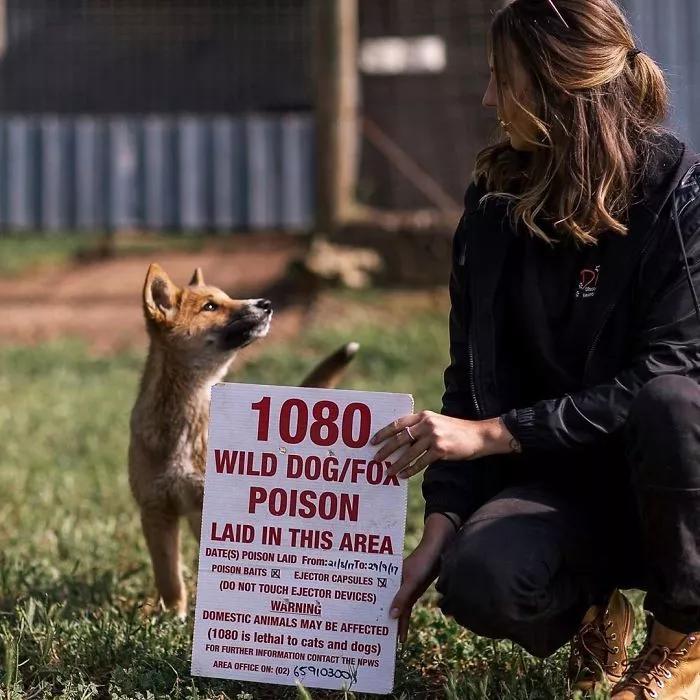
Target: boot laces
653,666
594,643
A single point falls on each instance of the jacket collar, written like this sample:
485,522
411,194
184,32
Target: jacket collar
660,176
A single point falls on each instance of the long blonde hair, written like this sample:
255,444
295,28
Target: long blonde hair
598,104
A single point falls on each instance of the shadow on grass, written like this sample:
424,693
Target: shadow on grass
73,590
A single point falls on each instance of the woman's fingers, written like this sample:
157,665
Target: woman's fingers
419,569
406,436
425,460
409,455
394,427
401,607
404,622
399,600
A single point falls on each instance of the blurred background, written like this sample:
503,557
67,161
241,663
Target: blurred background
217,115
312,151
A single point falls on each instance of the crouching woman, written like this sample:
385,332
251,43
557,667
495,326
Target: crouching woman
565,463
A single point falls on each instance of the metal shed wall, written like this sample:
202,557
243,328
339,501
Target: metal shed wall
669,31
159,172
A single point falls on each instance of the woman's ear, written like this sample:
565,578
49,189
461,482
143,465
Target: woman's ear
160,295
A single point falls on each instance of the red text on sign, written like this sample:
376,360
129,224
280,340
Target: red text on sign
324,427
326,505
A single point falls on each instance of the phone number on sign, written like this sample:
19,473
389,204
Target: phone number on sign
327,672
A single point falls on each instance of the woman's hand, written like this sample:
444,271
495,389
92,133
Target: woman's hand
429,436
420,569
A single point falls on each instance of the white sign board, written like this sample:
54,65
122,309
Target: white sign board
302,539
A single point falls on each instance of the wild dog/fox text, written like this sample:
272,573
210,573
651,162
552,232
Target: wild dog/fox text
312,467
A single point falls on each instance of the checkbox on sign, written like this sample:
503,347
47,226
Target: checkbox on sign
275,573
381,582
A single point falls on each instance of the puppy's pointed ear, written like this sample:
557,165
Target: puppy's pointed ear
197,278
160,295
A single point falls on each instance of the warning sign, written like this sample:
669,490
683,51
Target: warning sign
302,539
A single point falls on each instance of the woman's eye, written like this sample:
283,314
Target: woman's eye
210,306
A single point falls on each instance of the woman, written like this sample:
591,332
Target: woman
565,463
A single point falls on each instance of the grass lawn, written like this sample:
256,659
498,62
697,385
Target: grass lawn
73,565
22,252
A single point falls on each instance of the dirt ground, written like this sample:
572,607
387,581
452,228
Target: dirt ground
100,301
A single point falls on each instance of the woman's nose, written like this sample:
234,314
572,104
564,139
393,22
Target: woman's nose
489,99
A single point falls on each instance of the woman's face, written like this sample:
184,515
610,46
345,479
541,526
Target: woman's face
517,125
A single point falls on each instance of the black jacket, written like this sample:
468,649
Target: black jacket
645,321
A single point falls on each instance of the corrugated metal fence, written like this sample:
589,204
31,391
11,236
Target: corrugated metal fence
669,31
215,173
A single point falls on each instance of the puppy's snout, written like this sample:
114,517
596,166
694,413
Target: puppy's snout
264,304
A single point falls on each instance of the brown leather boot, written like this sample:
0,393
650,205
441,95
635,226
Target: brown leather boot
667,668
599,649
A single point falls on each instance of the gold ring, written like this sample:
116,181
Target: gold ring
410,435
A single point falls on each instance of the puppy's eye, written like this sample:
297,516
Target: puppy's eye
210,306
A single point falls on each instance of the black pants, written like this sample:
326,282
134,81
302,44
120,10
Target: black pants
568,530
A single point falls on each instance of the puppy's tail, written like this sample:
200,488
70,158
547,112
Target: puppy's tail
328,373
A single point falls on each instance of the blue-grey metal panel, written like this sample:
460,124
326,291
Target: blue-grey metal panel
693,72
91,174
23,167
262,164
57,173
296,181
4,214
219,173
124,187
194,135
228,185
669,31
160,173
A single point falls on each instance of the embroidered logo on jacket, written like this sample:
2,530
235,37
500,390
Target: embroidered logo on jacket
587,282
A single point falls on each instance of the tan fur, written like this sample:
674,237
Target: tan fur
191,349
329,372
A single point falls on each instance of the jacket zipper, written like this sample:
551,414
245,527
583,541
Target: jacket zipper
470,351
472,384
596,338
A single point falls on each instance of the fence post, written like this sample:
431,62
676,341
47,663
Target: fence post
3,27
335,38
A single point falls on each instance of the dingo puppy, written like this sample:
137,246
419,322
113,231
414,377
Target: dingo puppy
194,333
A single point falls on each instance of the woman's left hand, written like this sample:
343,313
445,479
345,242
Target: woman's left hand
429,436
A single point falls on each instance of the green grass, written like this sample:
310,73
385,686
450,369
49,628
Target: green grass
20,253
73,567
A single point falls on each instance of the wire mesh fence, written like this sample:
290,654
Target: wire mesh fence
217,97
434,117
158,114
137,56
